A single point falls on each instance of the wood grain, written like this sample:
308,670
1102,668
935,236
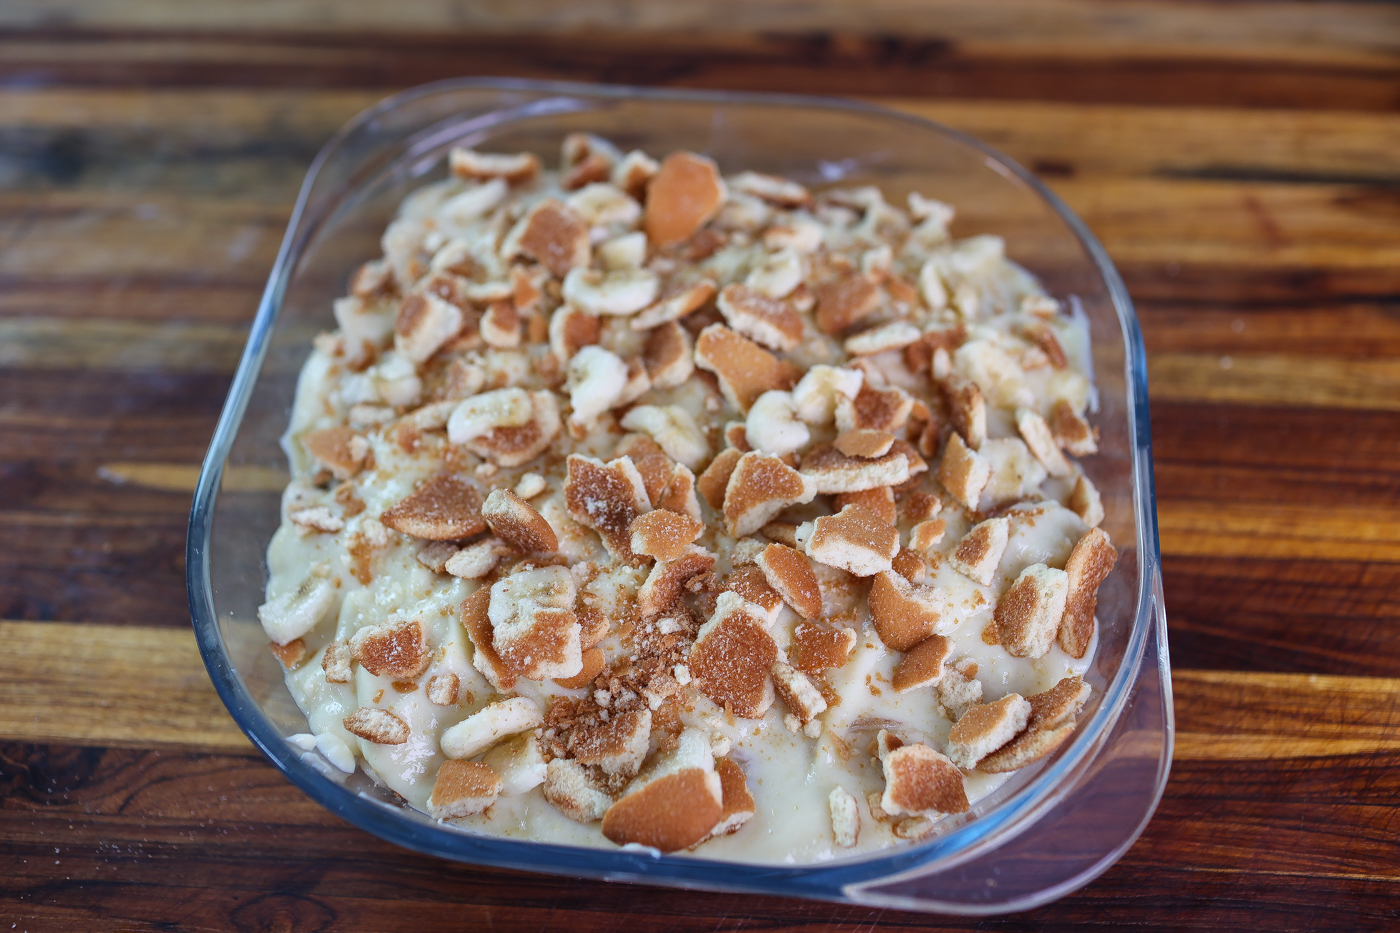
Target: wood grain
68,566
1322,616
202,809
104,344
1345,32
101,685
1233,530
1341,329
129,299
217,125
66,415
175,477
137,233
1335,447
1276,380
219,842
1234,714
802,60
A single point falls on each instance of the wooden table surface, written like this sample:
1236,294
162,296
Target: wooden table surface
1241,162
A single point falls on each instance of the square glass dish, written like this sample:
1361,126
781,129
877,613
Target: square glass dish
1050,829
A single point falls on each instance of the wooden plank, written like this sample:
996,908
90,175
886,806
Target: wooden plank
1314,616
94,416
1257,817
175,477
1203,283
1275,379
1332,444
1062,140
221,116
805,60
129,571
1341,32
158,299
1219,223
45,490
136,232
1238,225
61,682
221,842
1180,481
1234,715
113,345
147,491
1238,326
130,685
1227,529
219,123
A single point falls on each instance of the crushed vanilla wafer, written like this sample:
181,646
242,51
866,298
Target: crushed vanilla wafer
639,503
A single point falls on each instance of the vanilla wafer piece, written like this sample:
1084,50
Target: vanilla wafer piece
732,657
445,508
853,540
1028,614
1088,566
986,727
663,534
789,573
920,780
515,521
463,788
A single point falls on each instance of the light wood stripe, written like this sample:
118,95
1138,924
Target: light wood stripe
1194,746
1324,532
145,687
1324,685
180,477
1233,224
121,346
219,115
139,233
1244,868
1100,139
109,685
1269,379
1235,715
1351,330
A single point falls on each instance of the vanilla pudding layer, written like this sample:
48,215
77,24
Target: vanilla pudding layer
787,651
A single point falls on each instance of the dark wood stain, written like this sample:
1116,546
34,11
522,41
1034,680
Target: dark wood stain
154,832
823,62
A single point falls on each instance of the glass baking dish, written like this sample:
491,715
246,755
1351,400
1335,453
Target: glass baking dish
1054,826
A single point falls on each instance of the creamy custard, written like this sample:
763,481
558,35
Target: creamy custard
634,504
